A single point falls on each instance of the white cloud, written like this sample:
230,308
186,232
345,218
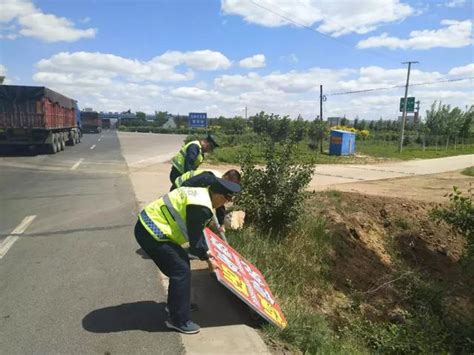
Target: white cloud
89,67
256,61
113,83
192,93
467,70
200,60
455,3
455,34
34,23
290,58
333,17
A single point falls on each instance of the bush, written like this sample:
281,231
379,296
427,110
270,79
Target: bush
460,214
273,196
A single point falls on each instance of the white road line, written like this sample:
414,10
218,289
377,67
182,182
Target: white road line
99,139
11,239
75,166
93,146
102,136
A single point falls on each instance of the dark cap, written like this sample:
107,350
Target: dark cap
225,187
212,141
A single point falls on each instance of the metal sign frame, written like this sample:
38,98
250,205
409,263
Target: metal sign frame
197,120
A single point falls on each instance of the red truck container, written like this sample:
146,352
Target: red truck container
106,123
91,122
37,116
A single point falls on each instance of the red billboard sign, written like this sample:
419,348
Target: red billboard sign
244,280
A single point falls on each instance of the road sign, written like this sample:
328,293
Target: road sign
244,280
197,120
410,104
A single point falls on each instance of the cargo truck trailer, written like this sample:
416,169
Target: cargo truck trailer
36,116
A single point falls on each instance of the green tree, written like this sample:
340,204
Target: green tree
161,117
460,214
140,115
317,131
273,196
236,125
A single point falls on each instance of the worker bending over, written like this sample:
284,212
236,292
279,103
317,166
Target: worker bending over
165,225
205,178
190,156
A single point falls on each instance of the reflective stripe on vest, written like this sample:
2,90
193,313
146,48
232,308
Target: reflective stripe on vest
158,234
167,215
177,218
188,175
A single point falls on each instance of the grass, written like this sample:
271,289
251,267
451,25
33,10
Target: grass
297,269
390,151
468,171
367,152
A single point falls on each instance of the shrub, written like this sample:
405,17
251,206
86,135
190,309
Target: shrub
272,196
460,214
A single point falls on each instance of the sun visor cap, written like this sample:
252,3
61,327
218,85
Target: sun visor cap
212,141
225,187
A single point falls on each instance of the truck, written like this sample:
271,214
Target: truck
91,122
37,117
106,123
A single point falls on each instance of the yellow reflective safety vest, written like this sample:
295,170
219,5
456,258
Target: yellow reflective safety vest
178,160
188,175
165,218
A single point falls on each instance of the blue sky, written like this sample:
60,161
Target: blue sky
222,56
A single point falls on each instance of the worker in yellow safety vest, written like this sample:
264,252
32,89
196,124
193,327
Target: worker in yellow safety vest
165,225
205,178
190,156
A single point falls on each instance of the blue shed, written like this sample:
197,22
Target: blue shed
342,143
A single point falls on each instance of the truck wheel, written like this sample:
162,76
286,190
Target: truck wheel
72,138
52,147
57,142
62,141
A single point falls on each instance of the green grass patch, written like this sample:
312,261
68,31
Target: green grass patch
468,171
297,268
367,151
296,272
390,150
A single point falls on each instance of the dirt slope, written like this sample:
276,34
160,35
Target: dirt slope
378,244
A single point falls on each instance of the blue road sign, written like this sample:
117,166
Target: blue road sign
197,120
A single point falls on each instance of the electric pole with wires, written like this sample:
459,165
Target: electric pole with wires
404,117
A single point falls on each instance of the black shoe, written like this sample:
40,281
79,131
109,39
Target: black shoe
194,307
186,328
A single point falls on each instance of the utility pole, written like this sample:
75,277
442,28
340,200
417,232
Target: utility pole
404,117
321,115
320,102
245,112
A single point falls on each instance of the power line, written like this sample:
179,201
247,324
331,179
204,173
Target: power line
397,86
300,24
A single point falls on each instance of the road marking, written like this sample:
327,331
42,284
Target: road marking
93,146
99,139
12,238
102,136
74,167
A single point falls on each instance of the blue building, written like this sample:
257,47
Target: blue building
342,143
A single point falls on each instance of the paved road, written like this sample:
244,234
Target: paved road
329,175
72,282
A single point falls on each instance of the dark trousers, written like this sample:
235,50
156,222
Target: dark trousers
173,261
174,174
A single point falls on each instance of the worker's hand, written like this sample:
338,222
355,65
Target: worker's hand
211,263
221,229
